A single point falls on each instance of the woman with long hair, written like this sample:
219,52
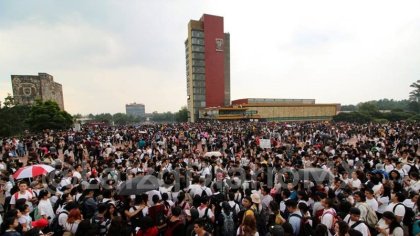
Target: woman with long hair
394,175
383,199
112,211
73,221
119,227
341,228
248,226
392,227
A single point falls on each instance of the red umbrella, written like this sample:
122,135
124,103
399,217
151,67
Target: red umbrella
32,171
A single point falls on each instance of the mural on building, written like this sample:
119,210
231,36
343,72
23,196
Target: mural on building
28,88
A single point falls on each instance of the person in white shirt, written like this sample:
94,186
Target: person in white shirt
345,178
354,182
411,202
388,166
360,199
370,199
401,170
44,206
396,207
266,197
233,205
77,170
383,199
23,193
354,221
390,226
204,210
327,217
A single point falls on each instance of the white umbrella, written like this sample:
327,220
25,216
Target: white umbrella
32,171
210,154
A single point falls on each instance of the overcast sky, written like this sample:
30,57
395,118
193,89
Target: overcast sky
108,53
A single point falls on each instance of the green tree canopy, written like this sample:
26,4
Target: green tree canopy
415,94
182,115
47,115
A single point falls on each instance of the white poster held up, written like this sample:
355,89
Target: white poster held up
265,143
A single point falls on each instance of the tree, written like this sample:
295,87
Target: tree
182,115
369,109
47,115
13,120
121,119
348,108
9,101
414,107
356,117
104,117
415,94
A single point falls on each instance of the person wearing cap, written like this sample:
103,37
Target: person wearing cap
38,227
354,221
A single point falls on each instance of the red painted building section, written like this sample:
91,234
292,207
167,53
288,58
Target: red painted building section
214,60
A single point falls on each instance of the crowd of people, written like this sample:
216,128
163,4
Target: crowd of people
215,178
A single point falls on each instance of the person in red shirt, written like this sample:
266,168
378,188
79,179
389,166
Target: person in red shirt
148,228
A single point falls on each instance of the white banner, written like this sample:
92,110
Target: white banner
265,143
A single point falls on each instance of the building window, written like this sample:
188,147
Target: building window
197,34
198,69
196,41
197,48
198,55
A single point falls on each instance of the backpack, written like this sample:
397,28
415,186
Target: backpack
161,219
55,225
371,217
135,220
305,228
409,215
37,213
16,195
204,193
228,224
208,225
100,225
335,219
355,224
261,219
87,211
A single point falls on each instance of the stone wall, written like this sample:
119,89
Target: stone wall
28,88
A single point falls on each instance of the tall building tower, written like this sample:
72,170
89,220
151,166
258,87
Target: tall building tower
135,109
207,50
